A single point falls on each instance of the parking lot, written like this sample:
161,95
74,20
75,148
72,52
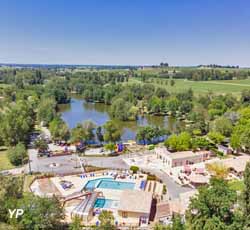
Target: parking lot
60,164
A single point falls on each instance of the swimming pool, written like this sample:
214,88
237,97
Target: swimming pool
118,185
108,183
106,203
92,184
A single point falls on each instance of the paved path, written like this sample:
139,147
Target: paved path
15,171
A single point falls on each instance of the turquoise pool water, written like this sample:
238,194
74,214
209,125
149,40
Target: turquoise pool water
112,184
108,183
105,203
92,184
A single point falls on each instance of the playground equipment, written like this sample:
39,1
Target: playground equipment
80,147
119,147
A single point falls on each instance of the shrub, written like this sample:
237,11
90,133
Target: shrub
134,169
151,147
18,154
152,177
110,146
164,189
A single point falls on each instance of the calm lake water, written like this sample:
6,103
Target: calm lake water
79,111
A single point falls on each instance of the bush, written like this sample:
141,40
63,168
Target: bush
18,154
164,189
110,146
217,152
152,177
151,147
134,169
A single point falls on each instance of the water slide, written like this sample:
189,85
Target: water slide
75,195
85,207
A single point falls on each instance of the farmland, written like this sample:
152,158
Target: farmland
201,87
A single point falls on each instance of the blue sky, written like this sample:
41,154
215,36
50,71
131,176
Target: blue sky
181,32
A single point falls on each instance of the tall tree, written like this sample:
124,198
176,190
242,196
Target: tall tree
112,132
46,110
18,154
41,213
77,134
89,127
16,123
179,142
223,125
246,195
212,207
99,134
216,137
107,220
59,129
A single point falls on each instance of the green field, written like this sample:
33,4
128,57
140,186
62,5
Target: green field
202,87
4,161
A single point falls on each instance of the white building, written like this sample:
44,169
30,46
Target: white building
181,158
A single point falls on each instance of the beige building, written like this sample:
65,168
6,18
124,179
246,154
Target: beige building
180,205
135,205
181,158
167,209
163,211
129,207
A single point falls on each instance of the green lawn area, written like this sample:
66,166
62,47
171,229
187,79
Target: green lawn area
6,226
202,87
236,185
3,85
28,179
4,161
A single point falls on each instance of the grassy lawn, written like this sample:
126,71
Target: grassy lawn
28,179
2,85
4,161
236,185
202,87
6,226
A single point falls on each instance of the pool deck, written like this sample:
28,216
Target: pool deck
78,183
71,199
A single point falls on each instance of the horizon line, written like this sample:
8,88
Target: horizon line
114,65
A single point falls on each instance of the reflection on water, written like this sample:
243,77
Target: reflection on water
79,110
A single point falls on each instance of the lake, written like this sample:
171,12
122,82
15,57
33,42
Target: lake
79,111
